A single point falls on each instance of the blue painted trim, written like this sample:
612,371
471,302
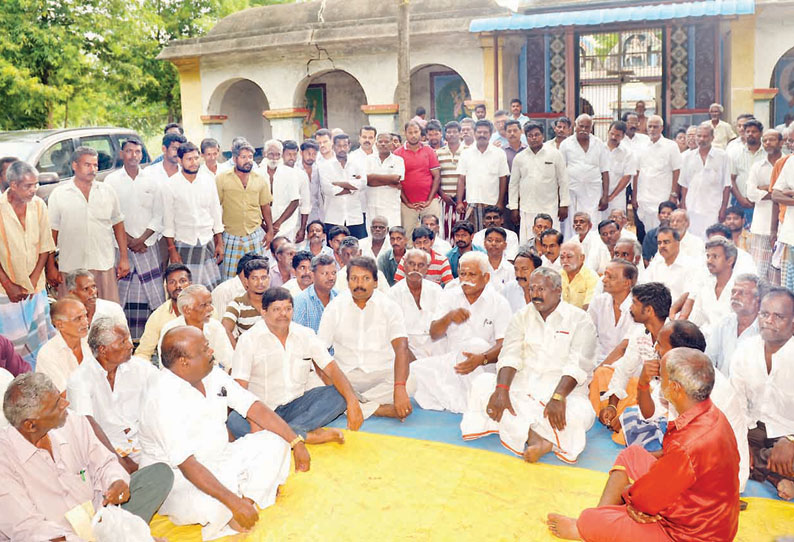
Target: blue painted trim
547,73
594,17
522,74
690,85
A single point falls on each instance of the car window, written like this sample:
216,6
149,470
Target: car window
104,147
57,159
120,139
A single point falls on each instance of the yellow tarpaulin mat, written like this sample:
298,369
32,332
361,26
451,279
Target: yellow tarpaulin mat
383,488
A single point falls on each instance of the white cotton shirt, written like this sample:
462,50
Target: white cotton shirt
417,321
225,292
140,202
116,410
85,227
192,212
683,275
216,336
705,184
286,189
488,319
640,348
742,160
636,143
610,333
621,162
343,210
538,181
304,188
760,175
724,339
482,171
502,275
708,308
514,295
277,374
56,360
785,181
362,338
385,200
656,164
510,250
542,352
585,168
766,396
596,253
110,309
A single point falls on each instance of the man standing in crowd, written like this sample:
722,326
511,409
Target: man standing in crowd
308,164
634,140
210,152
341,180
622,168
290,158
285,188
743,159
659,165
758,192
385,174
422,178
448,159
723,132
562,130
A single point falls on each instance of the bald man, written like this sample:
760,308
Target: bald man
659,164
578,280
62,354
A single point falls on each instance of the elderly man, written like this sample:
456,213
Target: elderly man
234,287
709,303
439,270
81,284
538,183
195,308
629,249
109,387
658,164
62,354
373,244
578,281
367,332
418,298
472,318
595,251
587,160
517,291
679,272
193,220
761,374
141,204
309,304
385,174
243,312
274,361
492,218
705,182
389,261
737,326
551,241
340,181
620,218
302,268
758,192
723,131
26,242
176,278
688,492
622,168
349,249
285,187
290,158
245,199
537,401
315,239
52,463
183,424
610,310
85,217
281,270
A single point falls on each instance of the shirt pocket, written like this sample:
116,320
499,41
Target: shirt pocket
299,371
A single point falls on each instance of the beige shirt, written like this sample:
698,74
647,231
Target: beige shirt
56,360
20,246
242,213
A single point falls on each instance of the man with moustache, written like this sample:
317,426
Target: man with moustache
310,304
302,267
659,165
244,312
742,159
385,173
433,131
448,159
609,231
61,355
285,189
578,280
649,243
462,234
492,218
562,130
622,168
367,136
679,272
595,251
723,131
634,139
758,192
389,261
540,223
373,245
609,310
308,163
422,179
517,291
467,132
290,157
315,239
80,283
245,198
231,288
176,278
620,218
341,179
712,300
737,326
210,152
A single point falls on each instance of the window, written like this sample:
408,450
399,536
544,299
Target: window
103,146
57,159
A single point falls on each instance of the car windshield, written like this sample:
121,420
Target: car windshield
18,149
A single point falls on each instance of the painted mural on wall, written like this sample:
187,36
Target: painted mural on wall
783,80
316,103
448,94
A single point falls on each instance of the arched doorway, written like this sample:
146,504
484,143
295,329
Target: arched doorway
441,91
334,99
782,110
242,101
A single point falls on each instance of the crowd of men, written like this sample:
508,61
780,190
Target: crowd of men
213,317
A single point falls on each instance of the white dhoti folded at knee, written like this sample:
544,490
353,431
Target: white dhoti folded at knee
376,388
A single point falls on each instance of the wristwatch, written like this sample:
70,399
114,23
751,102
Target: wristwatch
295,442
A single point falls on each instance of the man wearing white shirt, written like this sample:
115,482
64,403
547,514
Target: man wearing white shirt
538,183
692,246
758,192
622,169
385,173
595,251
620,218
340,181
193,220
492,218
761,374
308,164
737,326
537,401
551,241
210,152
418,299
61,355
610,310
440,245
367,332
227,290
285,183
634,140
85,217
81,284
517,291
705,183
587,160
744,262
499,267
366,143
374,244
679,272
217,484
349,248
712,300
783,194
743,159
471,319
483,176
109,387
274,359
562,129
140,292
290,157
658,165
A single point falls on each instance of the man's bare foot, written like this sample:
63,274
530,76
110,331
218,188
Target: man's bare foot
386,411
537,447
785,490
323,435
563,527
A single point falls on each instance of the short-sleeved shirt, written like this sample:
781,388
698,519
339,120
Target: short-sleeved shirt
454,256
489,316
418,164
579,291
242,314
483,171
385,197
786,182
449,161
20,247
439,270
585,167
242,213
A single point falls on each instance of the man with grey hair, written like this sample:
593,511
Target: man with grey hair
723,131
86,217
310,303
109,387
81,284
737,326
62,354
26,239
537,400
285,186
195,308
245,198
467,329
578,280
659,164
41,485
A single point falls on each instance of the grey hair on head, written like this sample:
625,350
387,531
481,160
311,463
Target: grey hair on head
18,170
23,397
693,370
633,242
416,252
102,333
760,286
70,278
728,248
188,296
480,258
549,273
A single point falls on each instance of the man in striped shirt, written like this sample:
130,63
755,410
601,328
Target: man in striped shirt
246,310
448,157
439,270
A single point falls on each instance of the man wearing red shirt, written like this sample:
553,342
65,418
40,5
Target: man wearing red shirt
690,493
419,194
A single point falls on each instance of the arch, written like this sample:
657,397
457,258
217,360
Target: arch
242,101
337,92
441,90
783,79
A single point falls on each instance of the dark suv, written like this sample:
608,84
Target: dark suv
50,151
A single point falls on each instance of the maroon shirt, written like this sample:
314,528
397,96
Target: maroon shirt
418,180
10,360
694,486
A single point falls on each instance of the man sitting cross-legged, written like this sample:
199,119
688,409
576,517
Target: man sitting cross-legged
472,319
537,401
218,484
690,492
273,360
